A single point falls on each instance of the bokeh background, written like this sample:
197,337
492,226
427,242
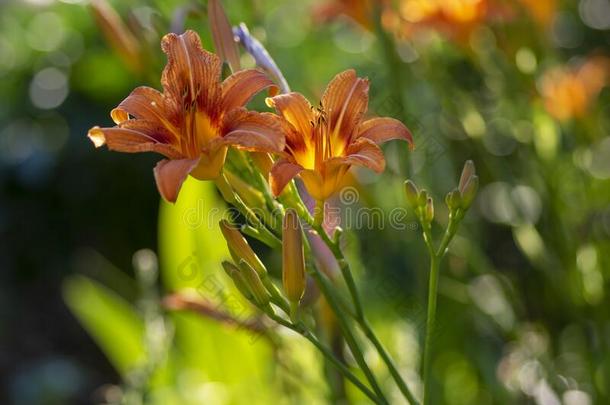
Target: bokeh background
519,87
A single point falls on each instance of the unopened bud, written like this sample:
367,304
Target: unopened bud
222,35
470,191
422,198
251,196
429,212
411,191
239,248
453,199
467,172
293,259
263,162
238,279
121,39
259,292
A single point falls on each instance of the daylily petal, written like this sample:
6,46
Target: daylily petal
253,131
321,187
149,104
154,130
296,110
362,152
192,74
345,101
130,141
380,130
170,174
210,163
240,87
281,173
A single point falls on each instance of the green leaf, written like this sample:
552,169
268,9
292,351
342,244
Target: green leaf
191,245
191,249
110,320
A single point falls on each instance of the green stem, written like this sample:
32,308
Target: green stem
327,353
348,334
264,234
318,214
368,331
359,312
435,260
454,220
361,318
430,322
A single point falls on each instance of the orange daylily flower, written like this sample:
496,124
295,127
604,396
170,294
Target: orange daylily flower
195,119
568,92
322,144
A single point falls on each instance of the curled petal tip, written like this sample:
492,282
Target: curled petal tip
171,174
273,91
97,136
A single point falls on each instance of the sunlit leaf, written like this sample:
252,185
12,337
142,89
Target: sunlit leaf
111,321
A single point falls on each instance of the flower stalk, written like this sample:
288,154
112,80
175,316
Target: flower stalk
458,201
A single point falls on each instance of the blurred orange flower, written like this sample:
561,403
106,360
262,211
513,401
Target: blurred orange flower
542,11
195,119
456,19
323,143
569,91
360,11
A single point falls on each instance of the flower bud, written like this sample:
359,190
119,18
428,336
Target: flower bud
422,198
467,172
293,260
251,196
222,35
255,285
411,191
429,211
120,38
263,162
239,248
453,199
238,279
469,191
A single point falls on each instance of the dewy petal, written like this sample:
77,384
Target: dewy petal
380,130
281,173
362,152
253,131
152,129
170,174
296,110
192,75
149,104
130,141
240,87
345,101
